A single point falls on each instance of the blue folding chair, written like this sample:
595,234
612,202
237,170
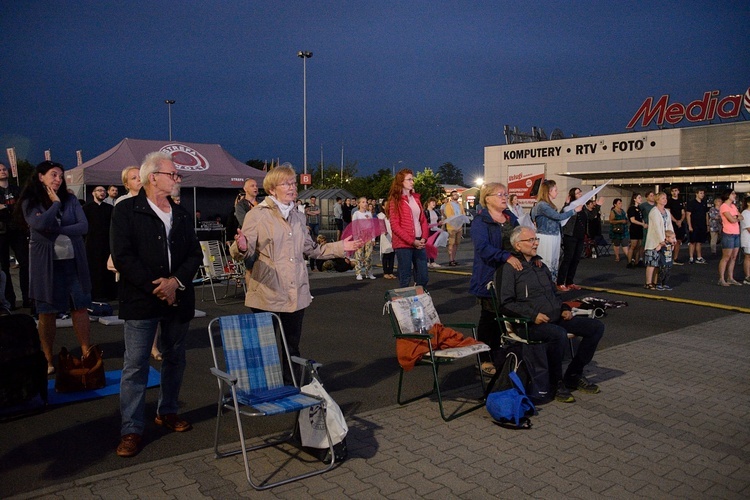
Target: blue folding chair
251,384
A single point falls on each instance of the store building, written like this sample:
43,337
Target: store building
712,156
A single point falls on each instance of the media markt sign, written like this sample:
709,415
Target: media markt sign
710,107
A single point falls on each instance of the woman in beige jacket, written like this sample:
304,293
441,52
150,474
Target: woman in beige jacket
274,236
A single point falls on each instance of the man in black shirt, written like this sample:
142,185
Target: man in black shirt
677,210
13,235
697,221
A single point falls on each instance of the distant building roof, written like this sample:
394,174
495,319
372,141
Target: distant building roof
325,194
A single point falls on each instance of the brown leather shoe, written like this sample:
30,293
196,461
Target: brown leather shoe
172,422
130,445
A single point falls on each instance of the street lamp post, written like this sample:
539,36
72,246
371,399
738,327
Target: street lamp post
305,56
394,167
169,103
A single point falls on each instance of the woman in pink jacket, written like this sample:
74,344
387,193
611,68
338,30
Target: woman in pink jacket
409,228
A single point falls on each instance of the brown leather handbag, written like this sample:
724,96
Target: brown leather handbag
80,374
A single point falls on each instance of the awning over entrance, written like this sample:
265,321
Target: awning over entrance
680,175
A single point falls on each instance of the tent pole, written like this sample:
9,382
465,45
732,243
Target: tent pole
195,208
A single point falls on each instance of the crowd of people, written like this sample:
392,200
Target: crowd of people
146,241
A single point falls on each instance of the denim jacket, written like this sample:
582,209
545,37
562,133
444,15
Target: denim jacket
548,219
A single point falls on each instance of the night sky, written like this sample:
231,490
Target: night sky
423,83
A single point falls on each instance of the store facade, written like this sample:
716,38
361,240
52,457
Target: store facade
712,156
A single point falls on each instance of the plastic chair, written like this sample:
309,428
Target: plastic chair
434,358
251,384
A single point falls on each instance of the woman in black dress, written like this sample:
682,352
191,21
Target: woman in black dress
637,225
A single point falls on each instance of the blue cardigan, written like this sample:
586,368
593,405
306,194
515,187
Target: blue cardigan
45,227
487,236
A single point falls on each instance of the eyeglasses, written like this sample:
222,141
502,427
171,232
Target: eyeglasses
409,179
530,240
288,185
499,195
174,175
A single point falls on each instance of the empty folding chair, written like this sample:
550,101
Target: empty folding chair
251,385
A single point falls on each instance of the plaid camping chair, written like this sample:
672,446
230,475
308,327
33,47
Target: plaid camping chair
251,384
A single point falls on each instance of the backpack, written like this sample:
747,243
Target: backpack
511,406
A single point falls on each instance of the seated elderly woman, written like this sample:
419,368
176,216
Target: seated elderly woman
275,236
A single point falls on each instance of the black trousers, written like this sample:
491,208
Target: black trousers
488,330
572,250
589,330
19,242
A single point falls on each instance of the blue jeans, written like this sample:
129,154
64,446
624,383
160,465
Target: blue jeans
590,332
139,336
409,258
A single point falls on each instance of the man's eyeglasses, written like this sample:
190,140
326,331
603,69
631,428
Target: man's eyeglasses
174,175
530,240
288,185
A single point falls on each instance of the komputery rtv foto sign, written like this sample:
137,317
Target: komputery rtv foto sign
708,108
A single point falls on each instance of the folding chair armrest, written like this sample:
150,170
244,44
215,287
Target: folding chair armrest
521,321
304,361
468,326
418,336
465,326
518,320
229,379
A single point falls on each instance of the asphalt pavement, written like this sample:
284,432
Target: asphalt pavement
663,358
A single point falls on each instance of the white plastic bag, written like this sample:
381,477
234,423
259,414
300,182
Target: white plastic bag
311,428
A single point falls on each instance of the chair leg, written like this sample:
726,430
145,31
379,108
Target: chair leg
572,347
400,389
436,390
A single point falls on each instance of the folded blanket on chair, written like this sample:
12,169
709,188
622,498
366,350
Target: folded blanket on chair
410,351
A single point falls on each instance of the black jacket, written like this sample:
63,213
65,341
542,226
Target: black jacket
139,251
530,291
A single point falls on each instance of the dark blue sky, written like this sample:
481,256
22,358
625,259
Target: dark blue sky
421,82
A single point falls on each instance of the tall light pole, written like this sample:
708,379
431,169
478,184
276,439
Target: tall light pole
169,103
394,167
305,56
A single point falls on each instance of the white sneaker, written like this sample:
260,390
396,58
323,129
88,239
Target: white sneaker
359,277
430,264
371,276
435,264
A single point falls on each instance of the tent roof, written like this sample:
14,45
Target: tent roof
201,165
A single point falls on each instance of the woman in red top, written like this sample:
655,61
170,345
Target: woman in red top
409,228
